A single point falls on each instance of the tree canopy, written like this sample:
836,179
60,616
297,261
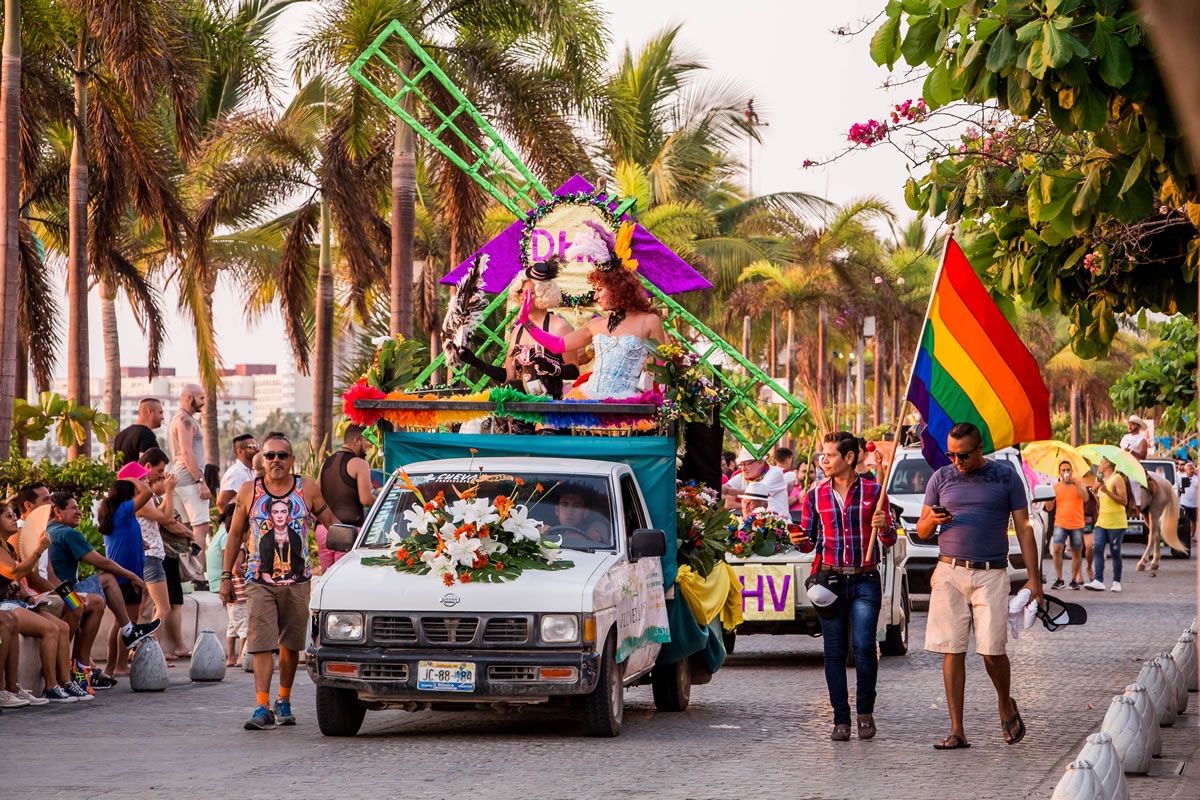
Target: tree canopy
1063,161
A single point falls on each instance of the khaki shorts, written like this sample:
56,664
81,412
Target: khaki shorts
961,599
239,621
189,506
277,616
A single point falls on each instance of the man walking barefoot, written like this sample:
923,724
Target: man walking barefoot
971,500
192,497
271,519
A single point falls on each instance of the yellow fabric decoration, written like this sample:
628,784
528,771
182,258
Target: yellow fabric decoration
624,246
719,593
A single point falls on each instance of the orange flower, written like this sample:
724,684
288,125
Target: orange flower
499,565
503,505
480,562
402,554
738,549
410,562
448,578
539,488
464,577
468,529
519,481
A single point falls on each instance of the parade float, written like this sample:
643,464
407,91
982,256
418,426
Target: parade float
535,543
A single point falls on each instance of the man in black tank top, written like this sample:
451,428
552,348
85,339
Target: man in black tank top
346,478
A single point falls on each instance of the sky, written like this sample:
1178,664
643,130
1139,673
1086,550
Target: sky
809,85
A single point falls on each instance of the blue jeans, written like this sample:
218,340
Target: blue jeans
1112,538
862,595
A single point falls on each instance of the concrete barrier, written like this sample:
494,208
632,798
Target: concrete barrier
200,610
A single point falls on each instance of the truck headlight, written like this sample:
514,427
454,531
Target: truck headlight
343,626
560,628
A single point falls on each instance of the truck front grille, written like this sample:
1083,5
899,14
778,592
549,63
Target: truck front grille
512,672
383,672
506,630
449,630
393,630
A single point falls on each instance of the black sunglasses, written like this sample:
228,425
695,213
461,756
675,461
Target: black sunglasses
272,455
953,456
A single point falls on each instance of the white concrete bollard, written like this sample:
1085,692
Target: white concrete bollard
1175,680
1155,682
1102,755
1148,715
1186,657
148,667
1079,782
247,660
1128,736
208,658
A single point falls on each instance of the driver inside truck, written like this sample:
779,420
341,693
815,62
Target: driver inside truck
571,511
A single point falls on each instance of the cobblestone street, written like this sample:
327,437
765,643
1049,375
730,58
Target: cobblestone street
760,729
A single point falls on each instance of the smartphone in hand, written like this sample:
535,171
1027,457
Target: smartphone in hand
942,512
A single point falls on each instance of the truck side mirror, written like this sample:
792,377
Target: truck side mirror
647,543
341,538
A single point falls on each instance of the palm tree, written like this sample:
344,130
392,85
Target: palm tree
131,67
10,201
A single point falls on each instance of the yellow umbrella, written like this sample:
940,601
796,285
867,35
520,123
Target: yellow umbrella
1125,463
1045,456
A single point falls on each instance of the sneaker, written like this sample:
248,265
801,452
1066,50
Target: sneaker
1058,584
140,632
10,700
262,719
32,698
101,681
56,694
75,690
1075,585
1094,586
1116,587
283,712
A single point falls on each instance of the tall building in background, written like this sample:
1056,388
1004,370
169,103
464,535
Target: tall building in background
249,392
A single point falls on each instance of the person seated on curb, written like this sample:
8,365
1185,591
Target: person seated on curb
68,548
10,662
54,642
118,523
31,497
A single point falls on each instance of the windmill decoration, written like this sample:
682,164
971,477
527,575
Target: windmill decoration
545,224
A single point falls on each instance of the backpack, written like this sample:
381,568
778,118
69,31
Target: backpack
1091,508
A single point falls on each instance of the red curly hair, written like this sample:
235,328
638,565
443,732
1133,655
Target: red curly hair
627,292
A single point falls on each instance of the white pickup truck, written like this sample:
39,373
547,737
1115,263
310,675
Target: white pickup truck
572,637
774,600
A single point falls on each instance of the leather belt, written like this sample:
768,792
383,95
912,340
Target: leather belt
848,570
962,562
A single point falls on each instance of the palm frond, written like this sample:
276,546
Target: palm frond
37,309
296,270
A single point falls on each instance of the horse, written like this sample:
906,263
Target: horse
1162,521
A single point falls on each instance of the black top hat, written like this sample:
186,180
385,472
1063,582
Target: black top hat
1055,613
543,270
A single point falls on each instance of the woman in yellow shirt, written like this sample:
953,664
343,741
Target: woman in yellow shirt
1110,526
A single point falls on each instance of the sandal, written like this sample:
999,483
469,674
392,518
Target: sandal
866,727
841,733
952,742
1014,727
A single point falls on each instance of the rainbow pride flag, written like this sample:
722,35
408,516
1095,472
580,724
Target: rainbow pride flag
972,367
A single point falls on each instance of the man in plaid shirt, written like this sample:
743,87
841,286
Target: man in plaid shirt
838,519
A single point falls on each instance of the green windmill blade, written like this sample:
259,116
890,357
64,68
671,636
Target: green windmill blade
492,164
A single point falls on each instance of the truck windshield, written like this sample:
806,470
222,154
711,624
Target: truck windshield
910,476
576,510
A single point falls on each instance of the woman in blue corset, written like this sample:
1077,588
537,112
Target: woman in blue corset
625,335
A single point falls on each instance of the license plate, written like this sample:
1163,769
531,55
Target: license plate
446,676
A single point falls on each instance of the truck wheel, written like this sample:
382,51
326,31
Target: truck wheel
730,640
672,684
339,713
895,642
604,708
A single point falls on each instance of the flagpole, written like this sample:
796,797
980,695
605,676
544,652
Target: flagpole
912,367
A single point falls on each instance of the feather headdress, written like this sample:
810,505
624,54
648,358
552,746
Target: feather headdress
593,244
465,312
